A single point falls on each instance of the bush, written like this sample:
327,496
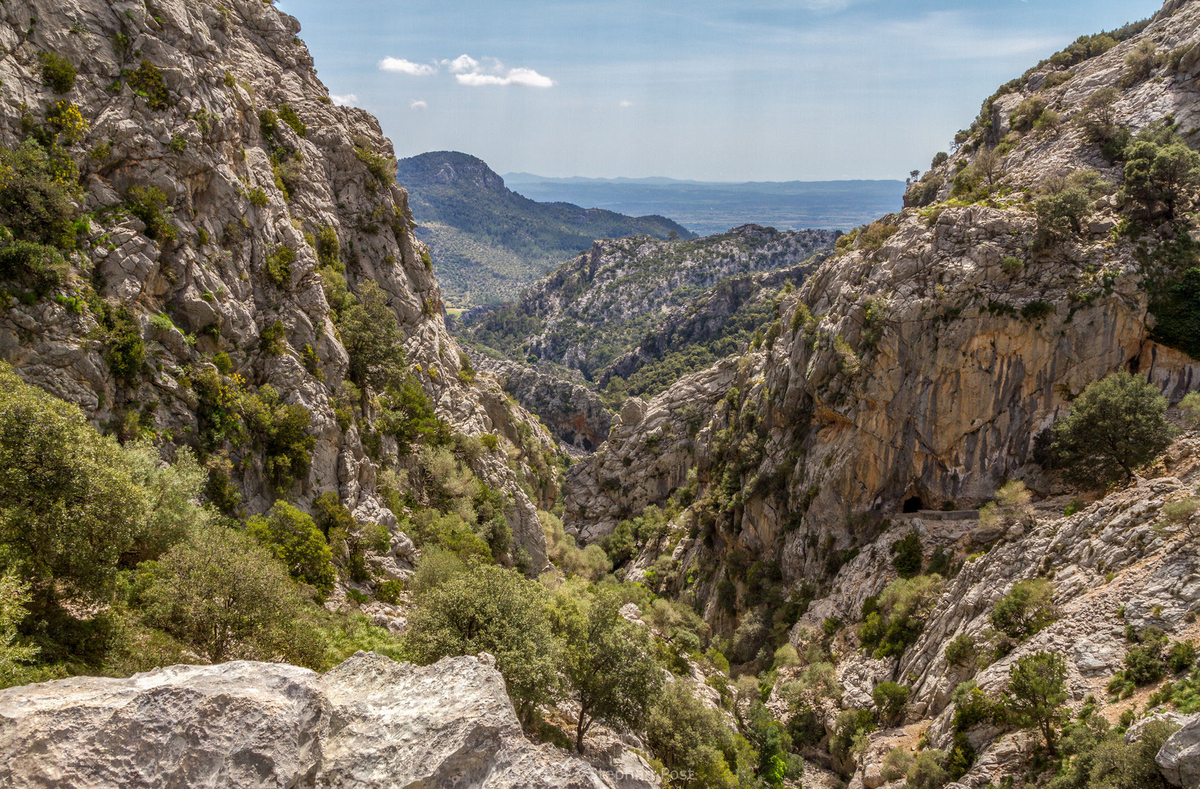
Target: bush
1127,407
1037,693
58,73
124,350
1181,656
147,81
281,433
289,116
372,337
39,267
1061,213
1160,176
36,195
899,615
69,504
14,594
495,610
149,204
1037,310
1026,114
1026,609
1141,62
327,246
435,567
1177,309
279,266
691,739
962,650
907,555
296,541
226,598
381,168
890,700
67,120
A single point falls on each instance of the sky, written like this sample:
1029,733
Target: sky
711,90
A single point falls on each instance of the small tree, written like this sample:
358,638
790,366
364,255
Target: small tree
297,542
1037,693
372,338
608,664
1115,426
491,609
907,555
890,699
1026,609
690,739
14,594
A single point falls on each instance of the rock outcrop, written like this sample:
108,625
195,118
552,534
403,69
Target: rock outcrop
368,722
574,413
214,111
1179,758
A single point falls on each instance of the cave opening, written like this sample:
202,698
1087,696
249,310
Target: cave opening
913,504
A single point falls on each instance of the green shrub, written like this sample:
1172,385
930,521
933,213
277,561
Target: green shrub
1037,310
1160,176
37,187
1176,307
890,700
39,267
178,143
279,265
380,167
907,555
223,363
227,598
149,204
296,541
289,116
962,650
281,432
875,234
1026,609
1061,213
1027,112
124,350
1181,656
495,610
898,615
1123,405
67,120
258,197
1037,694
1141,62
389,591
58,73
691,739
328,249
371,336
147,81
273,340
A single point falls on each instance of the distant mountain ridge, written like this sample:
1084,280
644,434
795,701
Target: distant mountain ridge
711,208
487,241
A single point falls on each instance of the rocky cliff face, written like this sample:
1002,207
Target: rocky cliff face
215,113
368,722
920,362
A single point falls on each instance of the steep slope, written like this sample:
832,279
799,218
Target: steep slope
914,371
488,241
630,303
225,222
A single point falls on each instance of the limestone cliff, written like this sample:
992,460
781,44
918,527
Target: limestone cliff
217,178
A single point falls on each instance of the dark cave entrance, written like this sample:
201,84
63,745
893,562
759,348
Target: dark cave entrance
913,504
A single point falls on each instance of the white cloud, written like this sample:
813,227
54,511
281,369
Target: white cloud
402,66
348,100
419,104
625,103
463,64
513,76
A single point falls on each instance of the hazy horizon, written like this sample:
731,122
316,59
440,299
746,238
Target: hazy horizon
766,90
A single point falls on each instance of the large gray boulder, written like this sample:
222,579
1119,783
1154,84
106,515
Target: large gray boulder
370,722
1179,758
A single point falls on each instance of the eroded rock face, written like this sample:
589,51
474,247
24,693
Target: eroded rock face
574,413
1179,758
209,148
369,722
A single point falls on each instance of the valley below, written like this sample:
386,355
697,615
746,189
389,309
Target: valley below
324,469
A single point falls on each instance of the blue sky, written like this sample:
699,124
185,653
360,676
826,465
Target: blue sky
740,90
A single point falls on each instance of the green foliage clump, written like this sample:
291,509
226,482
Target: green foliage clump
149,204
907,555
279,265
962,650
491,609
58,73
296,541
280,431
893,621
1037,694
67,120
288,115
890,699
37,215
273,338
223,595
370,333
607,663
328,249
258,197
1116,425
14,594
875,234
1141,62
69,504
381,168
1026,609
691,740
1160,176
147,81
124,350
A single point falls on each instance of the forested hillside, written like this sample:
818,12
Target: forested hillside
489,242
